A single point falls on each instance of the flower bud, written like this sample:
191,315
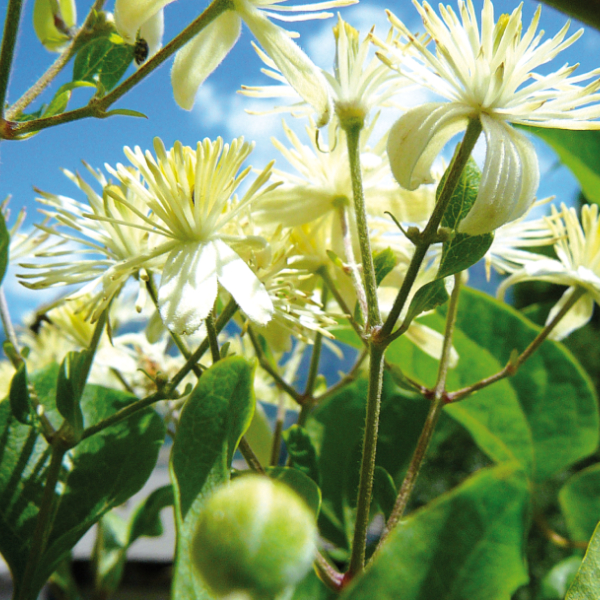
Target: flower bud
255,536
52,22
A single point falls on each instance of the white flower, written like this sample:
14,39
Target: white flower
356,85
203,54
190,195
577,266
486,74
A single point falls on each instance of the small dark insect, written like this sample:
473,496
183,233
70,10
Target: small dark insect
141,51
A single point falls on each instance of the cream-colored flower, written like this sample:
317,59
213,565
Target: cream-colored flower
577,265
190,195
203,54
486,74
357,85
95,236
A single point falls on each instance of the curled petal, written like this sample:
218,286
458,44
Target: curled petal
430,341
509,182
296,67
188,287
417,137
130,15
202,55
578,316
245,287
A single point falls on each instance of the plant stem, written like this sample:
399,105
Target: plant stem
98,106
211,334
266,365
9,330
278,430
367,468
56,67
513,365
7,51
327,574
429,234
249,456
43,525
433,416
353,129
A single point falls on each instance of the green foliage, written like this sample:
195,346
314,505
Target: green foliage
558,580
468,543
579,151
20,401
103,61
384,491
303,485
99,473
301,450
69,388
384,262
212,422
580,503
583,10
586,585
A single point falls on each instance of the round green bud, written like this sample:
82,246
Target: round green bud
254,536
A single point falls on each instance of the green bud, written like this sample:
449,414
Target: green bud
254,536
53,21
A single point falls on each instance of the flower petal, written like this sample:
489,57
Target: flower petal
509,181
578,316
296,67
130,15
152,31
202,55
245,287
188,287
430,341
417,137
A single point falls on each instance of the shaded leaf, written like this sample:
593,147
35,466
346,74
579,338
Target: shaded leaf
586,585
212,422
301,450
587,11
20,402
580,503
69,388
303,485
467,544
558,580
384,491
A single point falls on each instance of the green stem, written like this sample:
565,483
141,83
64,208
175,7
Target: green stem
98,106
278,430
353,129
433,416
315,358
7,51
57,66
367,468
9,331
513,365
249,456
211,334
429,234
43,525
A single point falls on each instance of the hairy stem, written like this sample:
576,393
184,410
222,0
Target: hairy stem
429,234
7,51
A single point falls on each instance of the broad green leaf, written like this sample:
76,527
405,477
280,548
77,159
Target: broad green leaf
462,250
69,388
554,392
212,422
101,472
302,453
145,520
4,247
466,545
580,503
558,580
20,402
303,485
586,585
336,429
102,61
384,262
579,151
428,297
493,416
312,588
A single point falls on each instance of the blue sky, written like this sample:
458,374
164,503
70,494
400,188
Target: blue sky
36,162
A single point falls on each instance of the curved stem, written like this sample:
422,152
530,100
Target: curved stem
429,234
98,106
7,51
433,416
211,334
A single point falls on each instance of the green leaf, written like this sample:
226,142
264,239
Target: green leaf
303,485
336,429
301,450
586,585
462,250
59,103
20,402
557,581
212,422
580,503
554,392
69,388
312,588
467,544
428,297
101,472
145,520
384,491
103,62
126,112
579,151
384,262
587,11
